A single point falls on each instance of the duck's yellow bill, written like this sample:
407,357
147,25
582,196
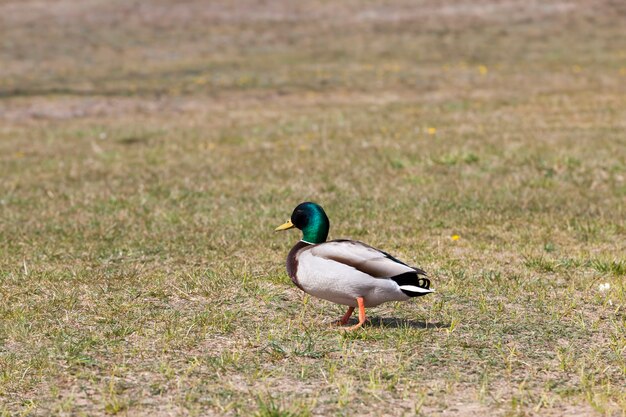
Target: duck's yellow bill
284,226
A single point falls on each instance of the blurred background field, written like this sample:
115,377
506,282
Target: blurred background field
148,150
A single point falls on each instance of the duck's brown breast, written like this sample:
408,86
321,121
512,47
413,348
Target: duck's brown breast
292,261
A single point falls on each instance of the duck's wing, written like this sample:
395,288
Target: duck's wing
375,263
365,258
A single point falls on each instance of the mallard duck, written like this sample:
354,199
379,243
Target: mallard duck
347,272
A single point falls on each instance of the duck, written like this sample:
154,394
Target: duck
347,272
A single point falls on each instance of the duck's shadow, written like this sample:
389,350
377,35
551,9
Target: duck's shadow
398,323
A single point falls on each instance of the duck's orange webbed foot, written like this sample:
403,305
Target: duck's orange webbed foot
346,317
359,301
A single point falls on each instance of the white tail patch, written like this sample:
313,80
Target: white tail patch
414,288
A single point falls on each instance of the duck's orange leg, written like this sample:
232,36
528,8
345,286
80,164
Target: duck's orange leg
346,317
359,301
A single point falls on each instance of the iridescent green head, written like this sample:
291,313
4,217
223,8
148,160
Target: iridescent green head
312,220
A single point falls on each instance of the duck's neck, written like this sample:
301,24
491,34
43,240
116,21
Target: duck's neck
317,230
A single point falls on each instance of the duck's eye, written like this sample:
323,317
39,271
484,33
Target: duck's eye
298,218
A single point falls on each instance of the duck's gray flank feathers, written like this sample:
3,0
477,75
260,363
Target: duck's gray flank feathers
292,261
375,263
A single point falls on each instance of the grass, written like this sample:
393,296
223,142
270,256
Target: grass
148,151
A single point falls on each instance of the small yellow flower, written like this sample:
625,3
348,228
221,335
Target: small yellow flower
392,67
576,69
622,71
244,80
431,130
455,237
483,69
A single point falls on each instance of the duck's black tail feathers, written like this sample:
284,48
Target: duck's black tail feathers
413,284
